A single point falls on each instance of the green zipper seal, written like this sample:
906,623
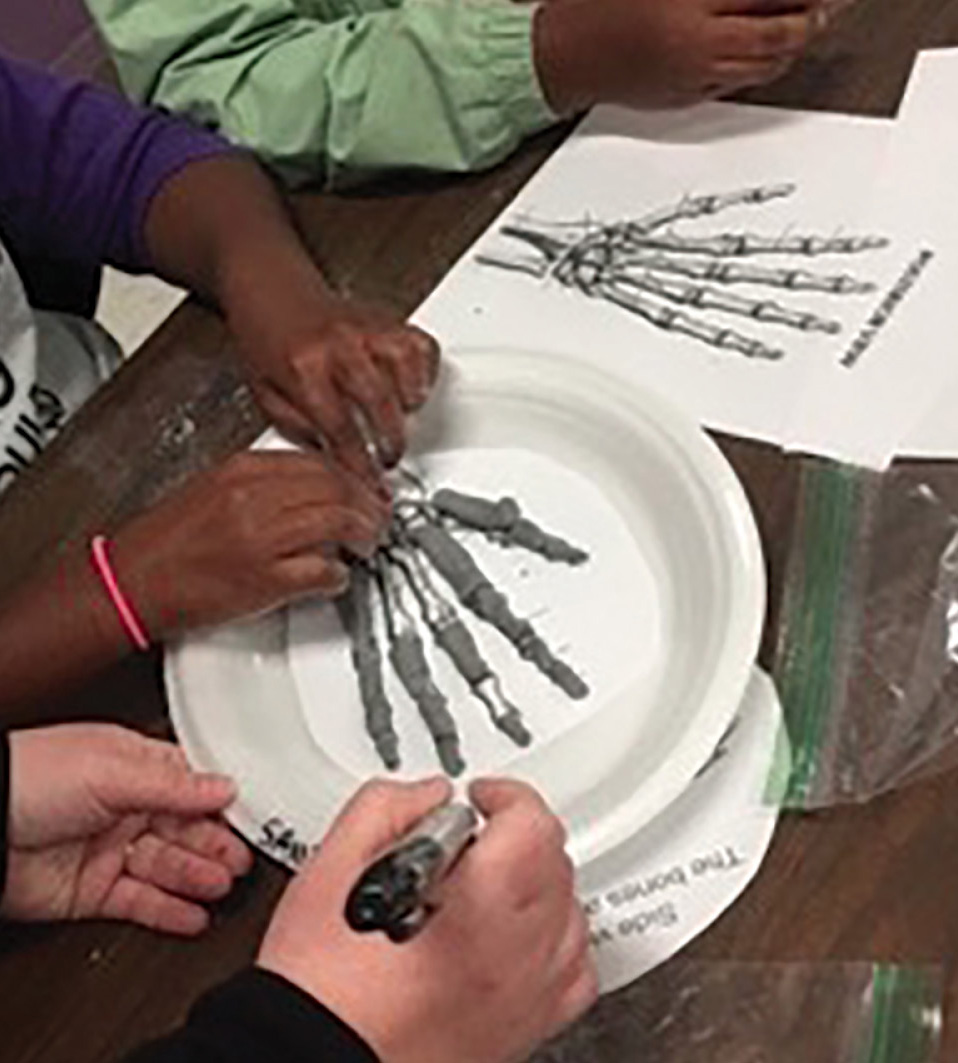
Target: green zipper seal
819,612
905,1016
780,771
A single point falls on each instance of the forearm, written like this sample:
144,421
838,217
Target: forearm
432,84
55,631
221,229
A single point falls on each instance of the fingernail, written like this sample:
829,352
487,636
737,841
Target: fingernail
365,549
383,489
221,782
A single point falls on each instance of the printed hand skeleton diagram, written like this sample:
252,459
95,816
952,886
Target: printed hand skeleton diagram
647,267
422,545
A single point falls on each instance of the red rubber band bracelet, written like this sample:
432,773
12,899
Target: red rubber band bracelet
100,552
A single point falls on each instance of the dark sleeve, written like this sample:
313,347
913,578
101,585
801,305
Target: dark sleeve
4,806
258,1017
79,167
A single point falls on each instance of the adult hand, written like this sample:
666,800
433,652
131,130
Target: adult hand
105,823
646,53
504,963
254,533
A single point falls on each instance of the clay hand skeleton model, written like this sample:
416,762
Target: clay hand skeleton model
414,579
648,268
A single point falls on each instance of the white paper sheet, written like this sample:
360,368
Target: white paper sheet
931,88
904,357
931,104
676,877
622,165
935,435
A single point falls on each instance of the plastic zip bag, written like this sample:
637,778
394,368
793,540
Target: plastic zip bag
868,631
717,1012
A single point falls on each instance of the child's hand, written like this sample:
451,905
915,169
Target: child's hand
655,53
315,361
107,824
504,963
313,358
248,536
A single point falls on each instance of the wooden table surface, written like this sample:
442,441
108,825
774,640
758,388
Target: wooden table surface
857,883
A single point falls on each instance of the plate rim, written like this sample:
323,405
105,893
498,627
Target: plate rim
746,622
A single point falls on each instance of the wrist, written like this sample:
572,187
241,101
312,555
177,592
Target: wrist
55,630
146,586
272,297
101,550
284,1020
563,44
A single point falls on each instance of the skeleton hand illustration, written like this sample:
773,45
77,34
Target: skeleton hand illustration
422,545
648,268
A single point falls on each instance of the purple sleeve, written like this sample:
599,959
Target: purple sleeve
79,167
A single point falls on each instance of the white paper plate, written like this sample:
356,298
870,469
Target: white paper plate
667,647
652,895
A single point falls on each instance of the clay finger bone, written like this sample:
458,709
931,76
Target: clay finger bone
504,518
356,615
453,637
473,589
408,659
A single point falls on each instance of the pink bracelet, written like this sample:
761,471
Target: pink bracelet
100,551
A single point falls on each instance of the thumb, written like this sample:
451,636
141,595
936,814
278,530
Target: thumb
164,783
494,796
378,815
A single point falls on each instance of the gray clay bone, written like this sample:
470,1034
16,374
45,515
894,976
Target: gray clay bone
456,640
407,655
356,615
503,521
453,637
408,658
473,589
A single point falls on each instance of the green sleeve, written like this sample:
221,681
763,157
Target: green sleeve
338,90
